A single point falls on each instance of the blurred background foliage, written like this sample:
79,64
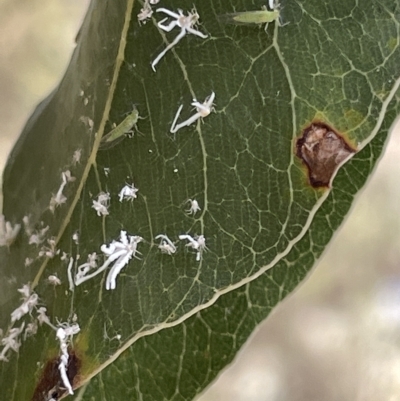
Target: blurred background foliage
350,346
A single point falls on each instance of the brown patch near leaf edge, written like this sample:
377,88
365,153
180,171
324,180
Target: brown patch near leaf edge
50,385
322,150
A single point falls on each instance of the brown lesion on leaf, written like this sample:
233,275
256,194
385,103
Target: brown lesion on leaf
322,150
50,385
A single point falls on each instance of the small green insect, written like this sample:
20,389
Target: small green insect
257,17
118,133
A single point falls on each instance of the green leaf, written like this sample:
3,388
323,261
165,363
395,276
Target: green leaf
175,322
178,363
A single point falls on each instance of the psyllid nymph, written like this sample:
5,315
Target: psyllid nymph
256,17
118,133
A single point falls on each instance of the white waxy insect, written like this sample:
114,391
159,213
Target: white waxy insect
202,110
8,233
69,274
59,198
38,236
75,237
198,243
62,335
25,290
11,342
185,23
120,252
67,176
53,280
31,329
118,133
76,157
102,204
86,119
166,245
28,262
27,225
30,300
128,192
51,250
202,246
42,316
145,13
194,207
83,270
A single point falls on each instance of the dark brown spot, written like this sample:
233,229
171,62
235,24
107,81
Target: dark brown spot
50,385
322,150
